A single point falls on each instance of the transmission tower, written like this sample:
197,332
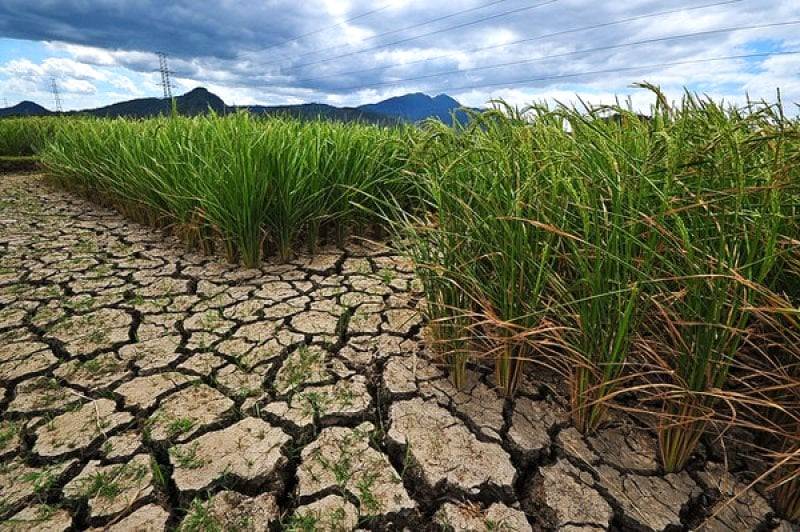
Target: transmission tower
5,102
56,95
163,67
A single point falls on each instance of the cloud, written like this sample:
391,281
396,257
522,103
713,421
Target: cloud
52,67
78,86
248,53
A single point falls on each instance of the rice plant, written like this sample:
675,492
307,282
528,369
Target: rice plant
616,246
255,186
487,266
26,136
720,245
608,254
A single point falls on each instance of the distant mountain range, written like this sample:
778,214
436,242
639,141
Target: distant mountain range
309,111
408,108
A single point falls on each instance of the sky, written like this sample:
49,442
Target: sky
352,52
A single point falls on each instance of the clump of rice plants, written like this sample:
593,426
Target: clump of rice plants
766,379
484,257
628,250
255,186
608,257
721,234
537,230
26,136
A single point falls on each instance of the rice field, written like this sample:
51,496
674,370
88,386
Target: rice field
651,261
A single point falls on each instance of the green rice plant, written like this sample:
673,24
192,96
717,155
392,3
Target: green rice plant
436,257
609,254
447,303
26,136
720,244
535,210
486,253
252,185
699,336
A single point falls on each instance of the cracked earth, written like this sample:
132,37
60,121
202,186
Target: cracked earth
144,387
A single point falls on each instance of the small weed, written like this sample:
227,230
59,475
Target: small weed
42,481
8,430
85,246
159,479
302,523
109,484
210,320
407,460
45,512
365,494
313,403
179,426
344,396
82,304
337,518
199,519
98,336
187,459
92,366
387,275
101,485
297,368
342,468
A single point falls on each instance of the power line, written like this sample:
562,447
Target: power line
406,28
526,40
320,30
56,95
428,34
622,69
575,52
166,81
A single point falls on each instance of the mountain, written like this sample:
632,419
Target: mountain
194,102
417,106
25,108
310,111
408,108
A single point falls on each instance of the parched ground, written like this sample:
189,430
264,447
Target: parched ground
143,387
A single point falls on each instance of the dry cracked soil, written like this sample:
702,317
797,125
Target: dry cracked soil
144,387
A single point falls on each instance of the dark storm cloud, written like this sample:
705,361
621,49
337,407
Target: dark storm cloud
184,28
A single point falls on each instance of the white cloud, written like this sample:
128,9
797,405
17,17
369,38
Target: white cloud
77,86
